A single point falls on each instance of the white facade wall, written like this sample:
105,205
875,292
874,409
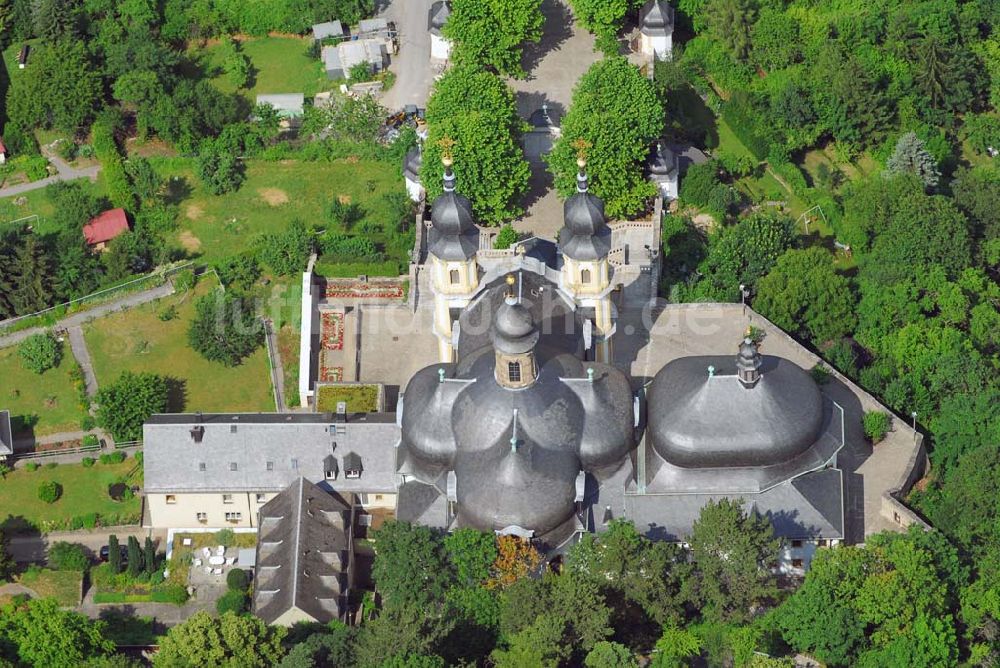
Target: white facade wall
657,46
440,48
796,555
414,189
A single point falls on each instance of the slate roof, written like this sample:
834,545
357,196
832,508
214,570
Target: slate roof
105,226
657,18
585,234
697,419
807,507
453,234
304,550
516,454
269,451
6,434
662,161
437,16
423,504
412,162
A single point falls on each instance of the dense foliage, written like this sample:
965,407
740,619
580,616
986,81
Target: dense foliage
40,352
492,33
123,406
615,116
473,117
225,329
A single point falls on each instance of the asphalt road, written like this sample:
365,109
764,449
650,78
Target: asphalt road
412,63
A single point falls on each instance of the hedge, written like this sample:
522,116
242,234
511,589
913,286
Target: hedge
113,169
738,113
354,269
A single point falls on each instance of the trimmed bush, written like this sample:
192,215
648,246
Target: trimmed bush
138,456
65,556
31,466
90,440
88,462
238,579
875,424
226,537
49,491
232,601
40,352
113,458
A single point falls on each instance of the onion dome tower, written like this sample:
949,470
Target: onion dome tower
514,339
585,241
453,241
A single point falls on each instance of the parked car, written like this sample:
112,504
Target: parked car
105,551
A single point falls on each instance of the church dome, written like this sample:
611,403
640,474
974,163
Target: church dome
514,331
662,161
707,418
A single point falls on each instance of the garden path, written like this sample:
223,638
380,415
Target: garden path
65,172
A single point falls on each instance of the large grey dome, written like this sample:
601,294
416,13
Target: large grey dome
562,424
585,234
453,234
703,420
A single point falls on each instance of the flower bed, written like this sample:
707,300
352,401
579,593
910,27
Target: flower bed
61,445
363,290
331,374
332,330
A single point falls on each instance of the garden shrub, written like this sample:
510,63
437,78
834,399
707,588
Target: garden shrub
31,466
232,601
40,352
875,424
792,176
237,579
226,537
87,422
171,593
138,456
65,556
113,458
185,280
88,462
90,440
820,374
51,465
49,491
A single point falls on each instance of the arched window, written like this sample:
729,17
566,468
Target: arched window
454,276
585,275
514,372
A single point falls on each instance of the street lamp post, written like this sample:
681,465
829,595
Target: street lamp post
744,293
914,416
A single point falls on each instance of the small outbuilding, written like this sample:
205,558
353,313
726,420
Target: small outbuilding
436,18
105,227
288,105
328,30
656,29
338,60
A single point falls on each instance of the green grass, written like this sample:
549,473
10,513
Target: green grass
137,340
288,323
64,586
729,142
39,204
273,195
47,401
84,491
280,64
359,398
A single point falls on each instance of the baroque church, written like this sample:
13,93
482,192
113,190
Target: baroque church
525,426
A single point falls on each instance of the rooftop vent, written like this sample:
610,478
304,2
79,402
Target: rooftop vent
197,433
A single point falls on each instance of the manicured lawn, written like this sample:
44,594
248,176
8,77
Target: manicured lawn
137,340
280,65
64,586
287,314
273,195
47,401
359,398
84,491
729,142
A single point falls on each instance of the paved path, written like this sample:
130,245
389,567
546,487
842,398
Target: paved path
82,355
165,614
33,548
277,368
412,63
66,172
77,319
22,444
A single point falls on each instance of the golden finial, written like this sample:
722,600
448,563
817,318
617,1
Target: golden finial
582,146
447,144
510,279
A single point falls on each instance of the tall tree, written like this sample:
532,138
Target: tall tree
911,157
731,22
114,554
492,33
617,115
409,569
604,18
31,269
225,329
61,89
733,554
231,641
42,634
134,556
127,403
472,114
804,294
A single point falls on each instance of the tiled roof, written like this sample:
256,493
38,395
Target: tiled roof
105,226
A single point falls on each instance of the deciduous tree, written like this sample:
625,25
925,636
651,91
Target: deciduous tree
40,352
42,634
604,18
615,111
123,406
231,641
492,33
225,329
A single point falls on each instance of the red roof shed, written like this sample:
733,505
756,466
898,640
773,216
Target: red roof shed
105,227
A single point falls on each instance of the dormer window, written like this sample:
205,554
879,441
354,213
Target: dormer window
197,433
330,468
352,465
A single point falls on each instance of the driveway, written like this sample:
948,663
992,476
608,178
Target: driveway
66,172
412,63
